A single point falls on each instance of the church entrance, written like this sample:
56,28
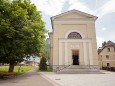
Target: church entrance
75,57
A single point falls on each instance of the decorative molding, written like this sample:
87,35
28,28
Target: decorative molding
60,53
66,36
75,11
90,53
66,54
74,46
74,35
72,22
85,53
74,40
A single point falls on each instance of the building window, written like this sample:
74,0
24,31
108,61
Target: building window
108,49
107,56
74,35
108,65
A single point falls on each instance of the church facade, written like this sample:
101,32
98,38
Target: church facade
73,39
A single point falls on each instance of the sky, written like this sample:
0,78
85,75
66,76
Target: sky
103,9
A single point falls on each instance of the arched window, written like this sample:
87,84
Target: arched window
74,35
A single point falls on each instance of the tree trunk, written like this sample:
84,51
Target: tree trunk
11,67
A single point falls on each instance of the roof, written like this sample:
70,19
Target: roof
75,11
109,43
89,16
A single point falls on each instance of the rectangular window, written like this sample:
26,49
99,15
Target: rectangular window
107,56
108,49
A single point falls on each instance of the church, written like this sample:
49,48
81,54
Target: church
73,40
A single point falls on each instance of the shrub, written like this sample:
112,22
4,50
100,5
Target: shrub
43,65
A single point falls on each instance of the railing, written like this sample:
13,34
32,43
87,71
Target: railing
61,67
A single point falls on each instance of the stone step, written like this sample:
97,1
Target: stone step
77,72
81,69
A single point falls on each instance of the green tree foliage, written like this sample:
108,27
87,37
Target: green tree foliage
43,65
21,31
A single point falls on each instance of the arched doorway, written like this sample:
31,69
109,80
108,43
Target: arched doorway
75,53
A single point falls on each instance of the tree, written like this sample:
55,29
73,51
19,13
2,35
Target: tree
43,65
21,31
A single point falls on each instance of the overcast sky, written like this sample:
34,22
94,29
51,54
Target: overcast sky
103,9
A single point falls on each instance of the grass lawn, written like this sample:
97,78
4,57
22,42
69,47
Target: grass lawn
48,70
23,68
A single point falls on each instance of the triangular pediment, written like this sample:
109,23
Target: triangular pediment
74,14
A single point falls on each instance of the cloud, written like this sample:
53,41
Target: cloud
100,40
54,7
78,5
107,8
103,29
50,7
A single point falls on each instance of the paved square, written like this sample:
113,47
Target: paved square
107,79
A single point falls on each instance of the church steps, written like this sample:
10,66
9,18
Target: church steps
81,69
79,72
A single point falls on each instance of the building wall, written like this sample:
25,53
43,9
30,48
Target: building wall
72,46
102,57
60,32
51,48
85,27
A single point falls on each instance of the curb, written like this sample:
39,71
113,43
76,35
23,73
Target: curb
48,79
